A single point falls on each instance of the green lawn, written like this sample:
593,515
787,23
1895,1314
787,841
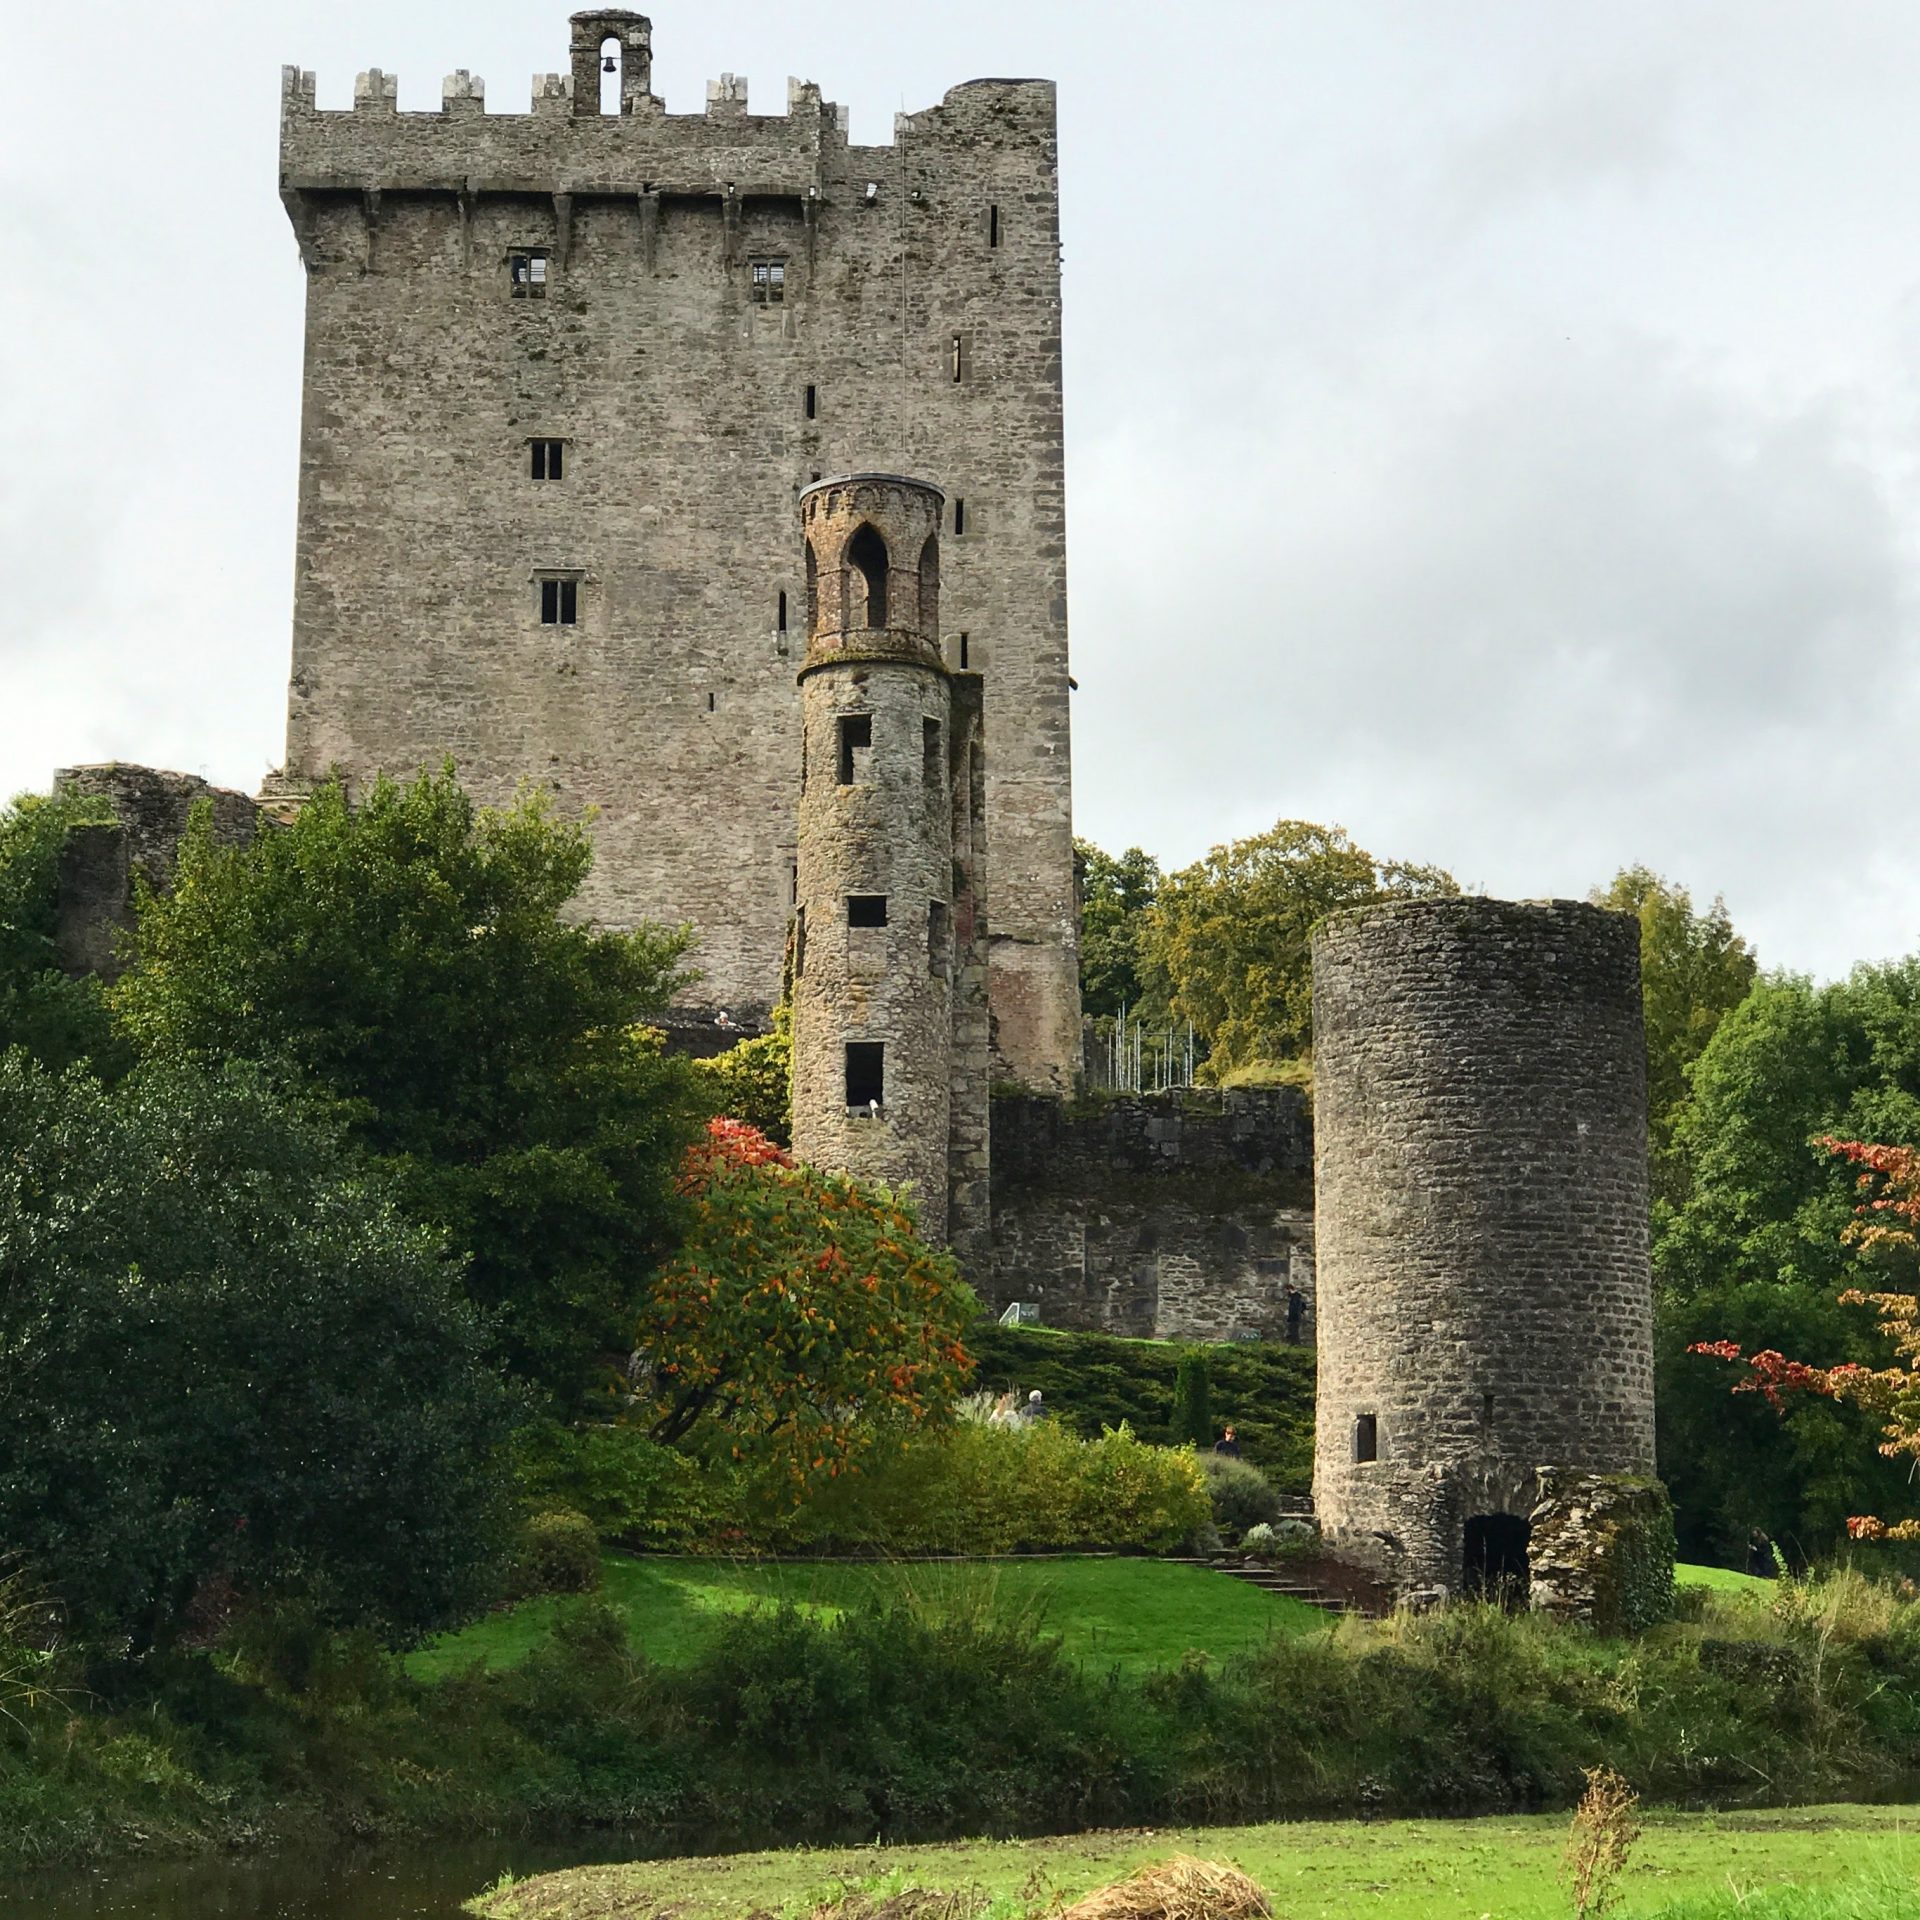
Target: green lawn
1133,1614
1722,1580
1497,1869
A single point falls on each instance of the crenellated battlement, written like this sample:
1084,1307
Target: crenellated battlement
566,143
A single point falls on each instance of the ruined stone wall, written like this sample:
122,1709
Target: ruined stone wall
94,914
1175,1216
1480,1110
921,313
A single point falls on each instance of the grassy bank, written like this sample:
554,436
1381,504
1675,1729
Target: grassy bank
1827,1862
938,1708
1136,1615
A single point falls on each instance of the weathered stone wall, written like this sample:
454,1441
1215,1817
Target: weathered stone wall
1178,1215
94,914
1480,1111
919,331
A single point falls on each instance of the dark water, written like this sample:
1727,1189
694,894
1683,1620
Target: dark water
424,1880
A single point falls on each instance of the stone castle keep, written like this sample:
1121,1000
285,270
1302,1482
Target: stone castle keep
567,374
611,429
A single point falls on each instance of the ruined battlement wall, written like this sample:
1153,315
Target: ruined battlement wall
917,329
1179,1215
100,864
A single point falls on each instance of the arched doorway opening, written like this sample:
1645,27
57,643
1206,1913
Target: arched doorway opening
1495,1561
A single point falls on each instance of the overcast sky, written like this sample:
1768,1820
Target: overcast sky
1490,426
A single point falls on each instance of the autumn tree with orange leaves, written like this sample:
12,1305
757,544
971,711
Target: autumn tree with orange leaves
802,1319
1885,1230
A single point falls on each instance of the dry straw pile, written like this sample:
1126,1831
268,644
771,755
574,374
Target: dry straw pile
1178,1889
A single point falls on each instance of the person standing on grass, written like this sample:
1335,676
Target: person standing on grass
1296,1309
1760,1561
1228,1444
1036,1408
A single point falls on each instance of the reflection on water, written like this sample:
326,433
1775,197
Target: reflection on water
424,1880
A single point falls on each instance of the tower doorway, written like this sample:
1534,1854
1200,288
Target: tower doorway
1495,1560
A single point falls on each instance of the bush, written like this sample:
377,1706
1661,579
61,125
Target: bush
632,1489
1097,1380
1242,1495
559,1552
1192,1401
984,1489
229,1358
753,1080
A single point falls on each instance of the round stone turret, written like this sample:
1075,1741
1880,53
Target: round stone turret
1484,1295
873,1020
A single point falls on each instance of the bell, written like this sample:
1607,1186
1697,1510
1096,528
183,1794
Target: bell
608,66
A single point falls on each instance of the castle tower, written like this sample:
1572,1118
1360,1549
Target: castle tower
567,371
889,1066
1485,1300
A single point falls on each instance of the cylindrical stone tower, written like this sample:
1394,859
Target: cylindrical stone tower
1480,1197
873,1015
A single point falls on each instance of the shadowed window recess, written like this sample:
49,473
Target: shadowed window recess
866,1076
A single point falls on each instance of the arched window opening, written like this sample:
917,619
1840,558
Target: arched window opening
867,579
1366,1438
611,54
813,590
930,588
1494,1563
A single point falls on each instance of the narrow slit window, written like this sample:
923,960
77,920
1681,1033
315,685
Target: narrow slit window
527,273
931,769
937,936
1366,1438
957,358
769,282
959,515
867,1076
710,703
856,739
800,943
993,226
813,403
549,459
780,613
866,909
963,653
559,603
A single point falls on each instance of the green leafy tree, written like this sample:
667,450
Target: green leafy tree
1115,898
1694,970
1230,934
1192,1400
56,1019
1757,1250
753,1081
225,1353
412,956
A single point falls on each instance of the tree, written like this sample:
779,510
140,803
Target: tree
1192,1400
1757,1250
226,1353
1230,933
753,1080
1115,898
57,1020
1886,1231
412,956
1694,970
803,1318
